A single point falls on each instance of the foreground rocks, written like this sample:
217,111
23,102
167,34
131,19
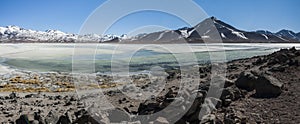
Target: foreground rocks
268,86
261,89
264,85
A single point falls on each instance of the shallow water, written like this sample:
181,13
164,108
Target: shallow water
100,57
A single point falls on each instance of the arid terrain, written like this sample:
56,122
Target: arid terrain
262,89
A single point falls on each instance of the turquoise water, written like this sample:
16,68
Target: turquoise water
61,57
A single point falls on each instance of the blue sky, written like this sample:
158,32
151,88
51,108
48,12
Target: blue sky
69,15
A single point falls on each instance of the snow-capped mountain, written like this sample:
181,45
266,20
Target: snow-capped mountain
11,34
212,29
209,30
288,34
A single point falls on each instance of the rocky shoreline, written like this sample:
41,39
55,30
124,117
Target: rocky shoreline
262,89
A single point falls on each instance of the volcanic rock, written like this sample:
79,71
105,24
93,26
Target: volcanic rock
22,120
268,86
246,81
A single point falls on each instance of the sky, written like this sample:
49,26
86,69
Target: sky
69,15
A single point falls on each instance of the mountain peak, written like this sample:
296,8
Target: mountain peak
213,18
13,28
55,32
266,32
288,34
283,30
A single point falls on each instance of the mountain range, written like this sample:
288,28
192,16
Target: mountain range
209,30
15,34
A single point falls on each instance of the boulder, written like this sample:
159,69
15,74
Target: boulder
282,58
63,120
246,81
51,118
86,119
23,120
37,116
259,61
148,108
13,95
230,94
234,117
268,86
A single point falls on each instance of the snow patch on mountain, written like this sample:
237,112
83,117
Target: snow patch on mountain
223,35
205,37
239,34
160,36
281,38
265,36
184,33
